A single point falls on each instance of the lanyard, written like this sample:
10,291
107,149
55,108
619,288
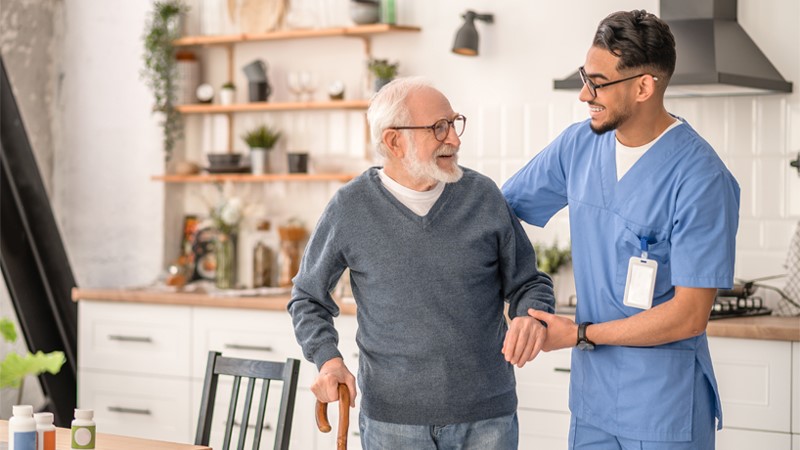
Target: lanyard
643,245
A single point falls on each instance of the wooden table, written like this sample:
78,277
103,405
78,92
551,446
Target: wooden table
107,441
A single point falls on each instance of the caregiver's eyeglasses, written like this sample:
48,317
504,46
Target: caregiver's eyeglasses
442,127
593,87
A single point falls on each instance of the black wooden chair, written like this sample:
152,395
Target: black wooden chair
253,370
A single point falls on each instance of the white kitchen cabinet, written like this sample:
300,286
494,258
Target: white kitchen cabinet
543,430
543,392
736,439
133,368
141,367
543,384
134,338
754,378
796,392
148,406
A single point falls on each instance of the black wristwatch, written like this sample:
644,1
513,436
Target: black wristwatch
583,342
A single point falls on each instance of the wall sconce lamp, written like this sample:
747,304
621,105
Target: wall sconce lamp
467,36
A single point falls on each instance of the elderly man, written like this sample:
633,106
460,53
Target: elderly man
433,251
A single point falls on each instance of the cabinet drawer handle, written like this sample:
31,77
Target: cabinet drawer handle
562,369
121,338
124,410
248,347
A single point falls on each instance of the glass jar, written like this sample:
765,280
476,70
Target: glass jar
225,253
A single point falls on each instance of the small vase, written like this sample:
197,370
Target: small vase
225,253
226,96
259,160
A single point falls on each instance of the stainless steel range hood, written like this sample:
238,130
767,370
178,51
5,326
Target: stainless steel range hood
715,55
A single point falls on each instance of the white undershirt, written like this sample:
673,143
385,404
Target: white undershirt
420,202
627,156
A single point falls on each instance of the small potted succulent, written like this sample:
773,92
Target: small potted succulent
227,93
260,139
383,70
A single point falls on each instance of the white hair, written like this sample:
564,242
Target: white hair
387,108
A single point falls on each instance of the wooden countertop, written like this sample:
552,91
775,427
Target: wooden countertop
761,327
110,441
144,295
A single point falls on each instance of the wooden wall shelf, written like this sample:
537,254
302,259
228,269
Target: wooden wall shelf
250,178
201,108
356,31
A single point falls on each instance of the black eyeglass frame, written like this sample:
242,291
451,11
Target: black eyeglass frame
593,87
450,124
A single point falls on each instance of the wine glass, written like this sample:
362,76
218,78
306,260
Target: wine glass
295,83
309,82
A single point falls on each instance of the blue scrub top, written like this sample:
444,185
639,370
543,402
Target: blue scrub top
681,197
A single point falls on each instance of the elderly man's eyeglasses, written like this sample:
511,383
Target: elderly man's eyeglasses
442,127
594,87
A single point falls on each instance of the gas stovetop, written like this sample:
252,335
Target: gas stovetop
738,302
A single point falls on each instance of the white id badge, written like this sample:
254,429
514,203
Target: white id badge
641,282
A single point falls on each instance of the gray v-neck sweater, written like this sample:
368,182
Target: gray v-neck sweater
429,292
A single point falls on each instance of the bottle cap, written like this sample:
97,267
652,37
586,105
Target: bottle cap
44,418
22,410
85,414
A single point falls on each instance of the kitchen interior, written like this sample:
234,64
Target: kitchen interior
135,226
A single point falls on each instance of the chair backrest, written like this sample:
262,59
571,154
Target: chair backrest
252,370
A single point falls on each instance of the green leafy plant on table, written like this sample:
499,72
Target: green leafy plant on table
14,368
161,68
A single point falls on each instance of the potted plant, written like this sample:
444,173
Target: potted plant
160,66
383,70
551,260
14,368
260,139
227,93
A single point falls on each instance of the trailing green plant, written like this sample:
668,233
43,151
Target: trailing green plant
14,368
228,85
160,66
551,259
382,68
261,137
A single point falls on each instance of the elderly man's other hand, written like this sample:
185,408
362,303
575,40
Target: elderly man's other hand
562,332
331,374
524,340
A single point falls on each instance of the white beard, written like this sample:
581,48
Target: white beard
429,171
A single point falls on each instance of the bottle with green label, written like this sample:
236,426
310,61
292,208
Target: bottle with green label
83,429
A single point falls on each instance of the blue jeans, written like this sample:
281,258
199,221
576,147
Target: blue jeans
501,433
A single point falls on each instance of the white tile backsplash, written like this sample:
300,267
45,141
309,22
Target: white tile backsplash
769,194
740,114
750,236
770,125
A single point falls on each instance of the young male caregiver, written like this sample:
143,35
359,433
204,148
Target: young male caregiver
653,216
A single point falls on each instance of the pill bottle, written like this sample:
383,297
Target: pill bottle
45,431
22,428
83,429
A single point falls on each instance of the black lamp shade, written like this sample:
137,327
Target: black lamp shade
466,42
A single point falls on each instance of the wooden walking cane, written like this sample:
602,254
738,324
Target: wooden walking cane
344,417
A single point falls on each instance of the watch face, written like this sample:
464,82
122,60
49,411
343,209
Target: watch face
585,345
